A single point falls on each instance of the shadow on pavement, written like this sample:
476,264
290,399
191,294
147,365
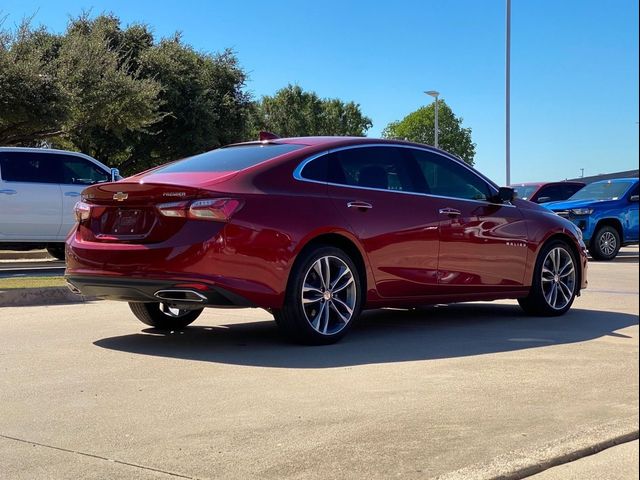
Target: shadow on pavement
381,336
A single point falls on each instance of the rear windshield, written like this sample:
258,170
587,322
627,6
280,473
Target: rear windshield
525,191
229,159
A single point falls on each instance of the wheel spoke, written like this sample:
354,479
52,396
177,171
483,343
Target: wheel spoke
327,271
317,267
344,318
346,284
343,271
343,305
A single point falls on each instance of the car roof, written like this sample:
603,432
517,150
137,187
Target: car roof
617,180
540,184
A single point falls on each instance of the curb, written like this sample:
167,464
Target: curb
23,297
520,464
28,255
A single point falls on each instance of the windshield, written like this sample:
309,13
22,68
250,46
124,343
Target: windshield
229,159
602,191
525,191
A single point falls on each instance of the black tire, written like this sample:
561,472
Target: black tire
152,314
294,318
56,251
537,302
605,244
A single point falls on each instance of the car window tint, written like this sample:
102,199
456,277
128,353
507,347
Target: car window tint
229,159
30,167
317,169
552,193
79,171
571,189
447,178
384,168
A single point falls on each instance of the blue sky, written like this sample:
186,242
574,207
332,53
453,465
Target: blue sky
574,65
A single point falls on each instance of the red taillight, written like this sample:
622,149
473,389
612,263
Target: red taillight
82,211
219,209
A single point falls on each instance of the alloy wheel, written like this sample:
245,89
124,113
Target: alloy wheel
607,243
558,278
329,295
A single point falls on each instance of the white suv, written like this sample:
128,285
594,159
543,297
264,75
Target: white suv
38,190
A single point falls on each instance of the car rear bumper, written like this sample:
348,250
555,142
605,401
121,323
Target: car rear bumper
192,294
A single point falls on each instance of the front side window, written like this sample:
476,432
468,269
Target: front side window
79,171
30,167
446,178
382,168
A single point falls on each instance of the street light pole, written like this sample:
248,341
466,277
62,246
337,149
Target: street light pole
508,96
435,94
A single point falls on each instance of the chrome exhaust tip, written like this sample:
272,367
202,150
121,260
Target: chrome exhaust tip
180,296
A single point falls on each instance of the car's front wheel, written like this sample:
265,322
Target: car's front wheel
605,244
323,298
555,281
163,316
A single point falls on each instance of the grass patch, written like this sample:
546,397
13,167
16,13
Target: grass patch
31,282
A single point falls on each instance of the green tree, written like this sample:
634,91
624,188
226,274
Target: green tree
32,101
294,112
117,94
419,126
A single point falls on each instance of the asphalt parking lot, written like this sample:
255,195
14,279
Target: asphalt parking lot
463,391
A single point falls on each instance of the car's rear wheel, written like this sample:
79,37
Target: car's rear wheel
605,244
163,316
323,298
555,281
56,251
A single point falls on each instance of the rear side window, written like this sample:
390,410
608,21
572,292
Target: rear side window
447,178
383,168
79,171
30,167
229,159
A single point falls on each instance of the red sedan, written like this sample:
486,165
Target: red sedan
314,230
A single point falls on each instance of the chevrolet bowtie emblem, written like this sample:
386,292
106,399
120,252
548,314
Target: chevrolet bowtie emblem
120,196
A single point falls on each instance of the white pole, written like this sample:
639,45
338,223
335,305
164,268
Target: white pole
436,123
508,95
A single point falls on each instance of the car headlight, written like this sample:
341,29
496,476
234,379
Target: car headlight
582,211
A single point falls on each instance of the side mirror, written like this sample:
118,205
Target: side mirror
115,175
543,199
505,194
634,198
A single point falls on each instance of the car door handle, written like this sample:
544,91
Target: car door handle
452,212
8,191
359,205
72,194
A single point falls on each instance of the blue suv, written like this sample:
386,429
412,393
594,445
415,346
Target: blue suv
607,214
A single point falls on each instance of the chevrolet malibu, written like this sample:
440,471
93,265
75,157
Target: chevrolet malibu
315,230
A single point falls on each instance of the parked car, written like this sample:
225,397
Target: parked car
542,192
38,190
607,214
314,230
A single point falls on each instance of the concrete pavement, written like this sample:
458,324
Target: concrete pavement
464,391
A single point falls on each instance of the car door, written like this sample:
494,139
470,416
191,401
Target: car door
77,174
30,197
372,188
483,245
632,226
